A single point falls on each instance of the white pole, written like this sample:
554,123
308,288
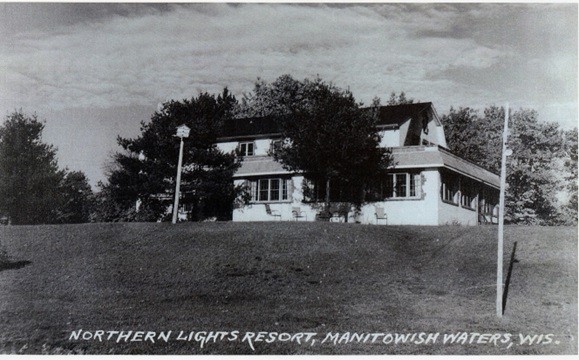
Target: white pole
178,183
501,216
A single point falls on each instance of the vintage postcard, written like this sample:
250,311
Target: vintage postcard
288,178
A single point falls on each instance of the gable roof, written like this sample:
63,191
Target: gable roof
268,126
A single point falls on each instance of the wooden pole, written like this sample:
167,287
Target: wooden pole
501,216
178,183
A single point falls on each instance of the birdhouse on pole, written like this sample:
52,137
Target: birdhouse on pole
183,131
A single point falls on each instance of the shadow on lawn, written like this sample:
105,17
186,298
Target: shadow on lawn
508,280
14,265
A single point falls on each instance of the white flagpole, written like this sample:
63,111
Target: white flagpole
501,215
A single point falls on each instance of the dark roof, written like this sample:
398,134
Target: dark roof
398,114
269,125
251,127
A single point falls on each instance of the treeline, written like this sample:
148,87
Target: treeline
542,172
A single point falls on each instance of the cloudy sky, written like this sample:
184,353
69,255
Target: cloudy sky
94,71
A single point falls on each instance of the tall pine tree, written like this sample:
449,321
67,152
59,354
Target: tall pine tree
29,174
145,171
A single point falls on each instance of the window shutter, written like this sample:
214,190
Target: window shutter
253,190
417,184
290,188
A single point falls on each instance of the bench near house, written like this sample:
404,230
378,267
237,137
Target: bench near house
427,186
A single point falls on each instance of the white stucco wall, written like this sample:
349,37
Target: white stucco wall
435,134
450,214
440,137
389,138
422,211
454,214
403,132
427,210
257,212
410,211
228,146
261,147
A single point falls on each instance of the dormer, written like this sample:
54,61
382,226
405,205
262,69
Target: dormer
410,125
250,136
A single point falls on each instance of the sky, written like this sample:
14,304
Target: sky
94,71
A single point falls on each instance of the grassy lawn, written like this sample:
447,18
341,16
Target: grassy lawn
285,278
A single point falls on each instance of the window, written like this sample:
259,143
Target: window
459,190
401,185
395,185
275,145
487,200
468,194
467,201
413,185
449,188
246,148
271,189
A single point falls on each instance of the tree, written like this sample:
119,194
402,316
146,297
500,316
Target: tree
107,207
399,100
275,99
326,135
75,199
570,166
29,174
32,188
145,171
531,178
463,134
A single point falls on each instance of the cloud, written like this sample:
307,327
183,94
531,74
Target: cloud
129,59
96,70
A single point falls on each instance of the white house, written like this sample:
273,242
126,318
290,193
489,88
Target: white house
428,185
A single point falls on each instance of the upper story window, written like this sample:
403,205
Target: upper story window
275,145
246,148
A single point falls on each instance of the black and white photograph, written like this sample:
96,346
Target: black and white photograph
288,178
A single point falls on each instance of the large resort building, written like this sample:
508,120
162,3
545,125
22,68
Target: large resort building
428,185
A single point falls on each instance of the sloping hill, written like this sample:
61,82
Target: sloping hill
286,277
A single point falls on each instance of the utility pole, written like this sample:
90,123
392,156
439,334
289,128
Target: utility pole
506,152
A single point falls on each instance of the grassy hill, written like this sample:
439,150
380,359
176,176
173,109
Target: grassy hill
286,278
